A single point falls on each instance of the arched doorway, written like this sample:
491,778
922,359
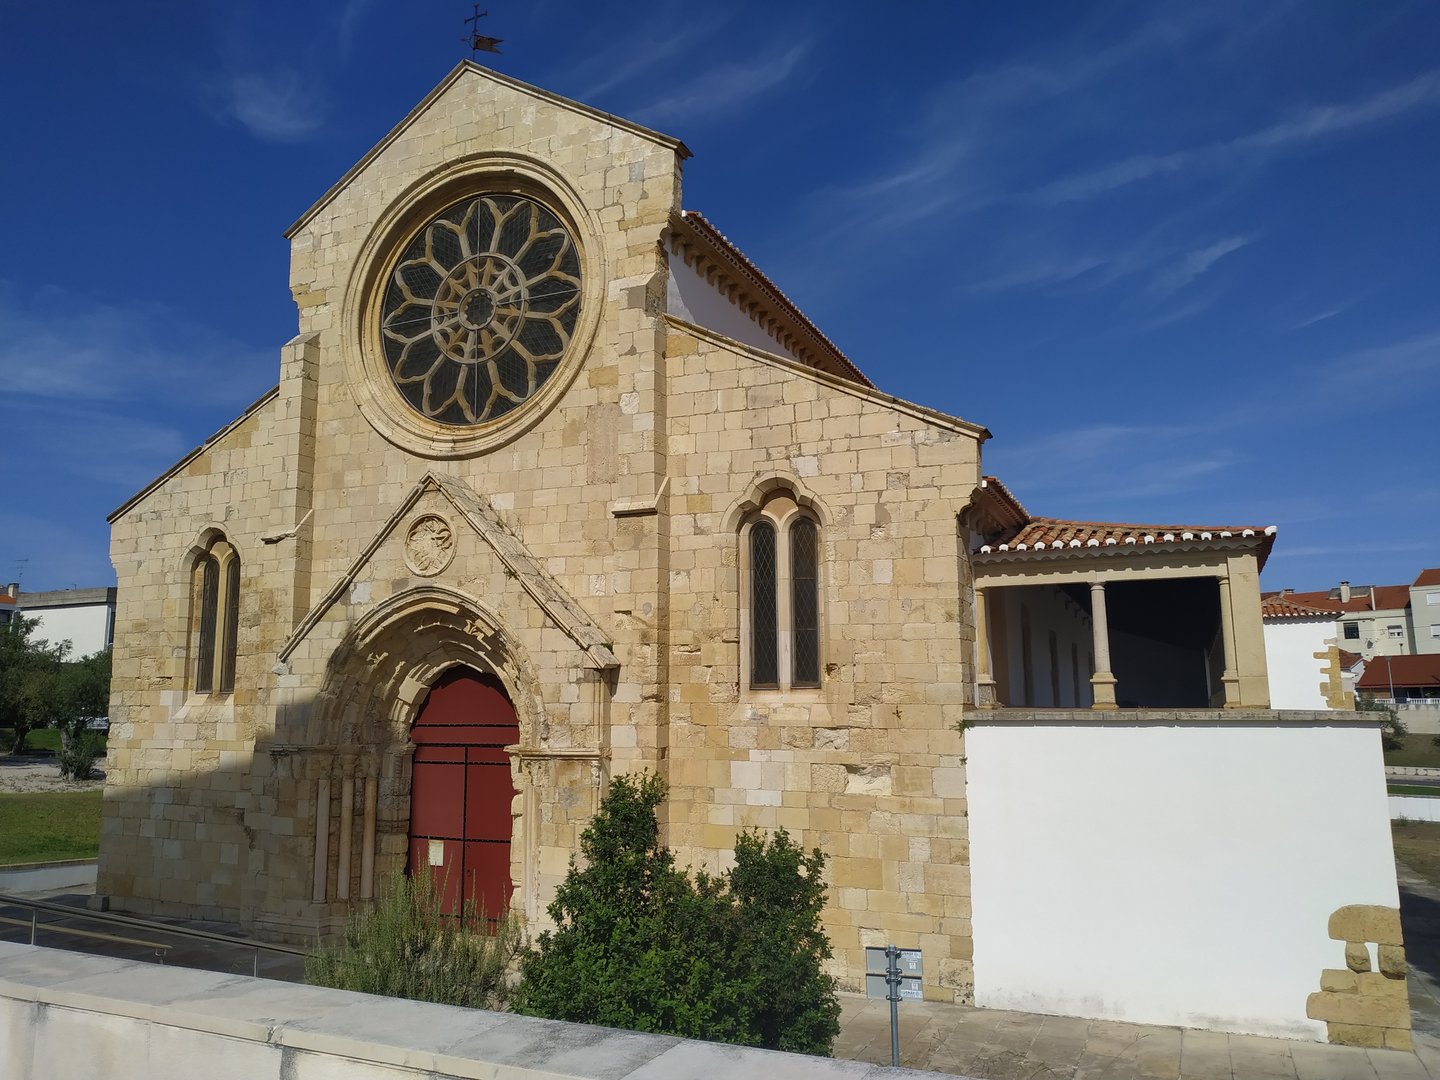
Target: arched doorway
460,790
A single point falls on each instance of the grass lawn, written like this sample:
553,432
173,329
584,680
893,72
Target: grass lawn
41,741
1413,789
1417,845
49,825
1419,750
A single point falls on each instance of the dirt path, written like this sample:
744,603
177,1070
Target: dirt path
42,774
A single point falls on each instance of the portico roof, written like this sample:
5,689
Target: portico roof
1008,531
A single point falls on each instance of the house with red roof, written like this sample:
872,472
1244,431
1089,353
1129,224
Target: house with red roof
1306,666
1402,679
1383,620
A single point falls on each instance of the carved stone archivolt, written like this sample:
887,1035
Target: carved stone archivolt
429,545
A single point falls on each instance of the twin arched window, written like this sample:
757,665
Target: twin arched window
782,631
214,618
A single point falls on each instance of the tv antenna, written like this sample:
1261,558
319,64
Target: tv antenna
477,41
20,570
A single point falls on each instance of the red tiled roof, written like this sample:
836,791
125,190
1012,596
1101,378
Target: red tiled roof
1428,577
1382,672
722,245
6,598
1348,659
1274,606
1390,597
1322,598
1056,534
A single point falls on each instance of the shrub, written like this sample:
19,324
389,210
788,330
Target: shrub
1392,728
643,945
78,753
404,946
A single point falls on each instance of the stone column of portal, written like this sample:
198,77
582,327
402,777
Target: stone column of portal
347,829
322,839
1231,678
1102,683
367,838
984,678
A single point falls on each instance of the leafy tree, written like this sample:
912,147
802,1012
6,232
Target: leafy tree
32,693
641,944
40,687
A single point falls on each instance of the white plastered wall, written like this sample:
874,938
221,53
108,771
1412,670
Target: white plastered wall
1295,674
1171,874
85,627
690,297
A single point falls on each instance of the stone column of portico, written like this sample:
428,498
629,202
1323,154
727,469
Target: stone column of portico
984,678
1102,683
1231,678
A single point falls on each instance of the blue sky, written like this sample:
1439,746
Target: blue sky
1182,259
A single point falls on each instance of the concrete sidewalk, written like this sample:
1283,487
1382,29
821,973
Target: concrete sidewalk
994,1044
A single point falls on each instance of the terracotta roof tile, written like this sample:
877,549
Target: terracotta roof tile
1322,598
1427,577
1349,659
1384,671
1285,607
1008,528
1390,597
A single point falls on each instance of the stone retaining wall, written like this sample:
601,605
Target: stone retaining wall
67,1015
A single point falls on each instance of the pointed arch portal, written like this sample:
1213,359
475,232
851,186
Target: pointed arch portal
461,790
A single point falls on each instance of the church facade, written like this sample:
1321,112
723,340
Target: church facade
557,485
546,433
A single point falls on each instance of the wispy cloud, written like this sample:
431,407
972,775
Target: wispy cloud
59,347
275,106
725,88
348,23
1136,461
1322,316
1311,125
676,36
1193,264
1041,273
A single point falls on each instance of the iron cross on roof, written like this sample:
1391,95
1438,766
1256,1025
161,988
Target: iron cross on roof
477,41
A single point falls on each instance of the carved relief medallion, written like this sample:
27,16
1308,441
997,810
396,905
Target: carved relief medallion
429,545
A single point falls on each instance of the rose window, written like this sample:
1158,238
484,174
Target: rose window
479,308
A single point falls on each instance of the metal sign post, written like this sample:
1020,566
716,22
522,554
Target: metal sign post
894,974
892,980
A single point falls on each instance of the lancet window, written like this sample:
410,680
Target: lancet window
780,597
214,618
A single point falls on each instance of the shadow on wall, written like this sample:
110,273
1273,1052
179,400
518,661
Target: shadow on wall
282,840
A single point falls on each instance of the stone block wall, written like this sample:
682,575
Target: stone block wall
870,766
1366,1002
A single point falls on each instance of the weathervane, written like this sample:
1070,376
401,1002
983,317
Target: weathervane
477,41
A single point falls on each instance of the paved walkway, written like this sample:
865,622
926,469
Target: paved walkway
995,1044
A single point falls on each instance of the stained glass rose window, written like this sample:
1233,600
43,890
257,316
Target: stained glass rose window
479,308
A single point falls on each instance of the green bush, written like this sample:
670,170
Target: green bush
643,945
1392,728
404,946
78,753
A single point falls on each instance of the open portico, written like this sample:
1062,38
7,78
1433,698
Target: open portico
1075,614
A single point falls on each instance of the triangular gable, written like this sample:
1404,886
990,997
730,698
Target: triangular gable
558,605
468,67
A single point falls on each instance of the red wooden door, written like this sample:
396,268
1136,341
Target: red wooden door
460,790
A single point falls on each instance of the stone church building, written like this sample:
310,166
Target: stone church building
557,485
